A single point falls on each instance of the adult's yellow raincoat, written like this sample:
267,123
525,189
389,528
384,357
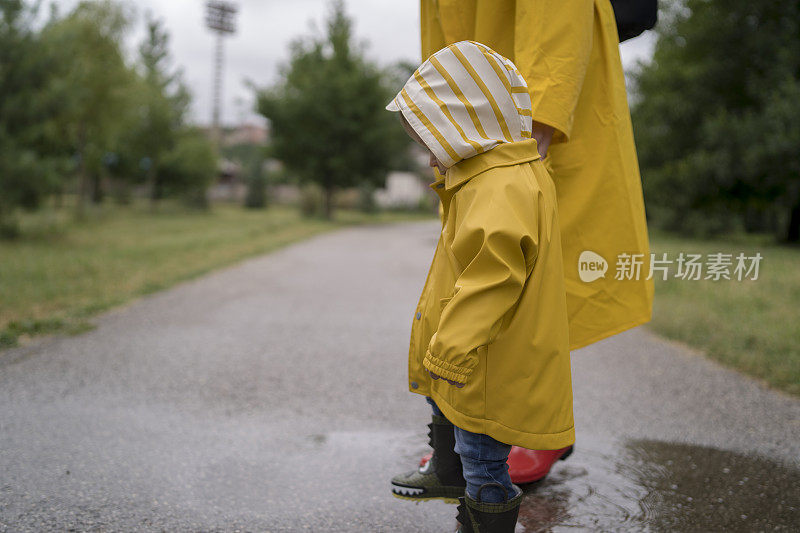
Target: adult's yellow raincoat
493,312
568,52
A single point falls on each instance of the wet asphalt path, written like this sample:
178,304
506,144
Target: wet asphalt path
271,396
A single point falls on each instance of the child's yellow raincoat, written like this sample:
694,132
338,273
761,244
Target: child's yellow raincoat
493,313
568,52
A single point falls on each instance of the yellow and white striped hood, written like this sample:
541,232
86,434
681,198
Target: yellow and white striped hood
464,100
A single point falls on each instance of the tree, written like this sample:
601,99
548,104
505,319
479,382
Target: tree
189,168
775,161
251,158
29,168
256,197
93,83
161,108
715,118
71,105
327,115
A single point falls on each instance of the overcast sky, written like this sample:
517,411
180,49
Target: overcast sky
264,29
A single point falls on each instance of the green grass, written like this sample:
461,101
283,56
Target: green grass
63,272
749,325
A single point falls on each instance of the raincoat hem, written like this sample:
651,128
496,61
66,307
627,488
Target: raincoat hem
505,434
420,390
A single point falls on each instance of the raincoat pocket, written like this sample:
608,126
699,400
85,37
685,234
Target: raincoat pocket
470,399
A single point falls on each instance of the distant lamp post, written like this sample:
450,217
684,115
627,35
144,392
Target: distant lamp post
220,19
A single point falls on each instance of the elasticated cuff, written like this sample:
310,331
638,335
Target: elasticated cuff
446,370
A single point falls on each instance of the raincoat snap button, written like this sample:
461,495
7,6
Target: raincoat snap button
419,315
414,385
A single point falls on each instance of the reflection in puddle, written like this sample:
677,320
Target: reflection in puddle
659,486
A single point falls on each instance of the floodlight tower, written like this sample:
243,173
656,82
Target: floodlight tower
219,19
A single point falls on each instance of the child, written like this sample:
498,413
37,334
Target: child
489,341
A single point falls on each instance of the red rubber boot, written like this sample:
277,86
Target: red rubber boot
527,466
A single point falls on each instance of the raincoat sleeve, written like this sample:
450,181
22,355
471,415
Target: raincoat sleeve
496,243
553,40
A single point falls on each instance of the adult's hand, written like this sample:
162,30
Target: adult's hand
543,135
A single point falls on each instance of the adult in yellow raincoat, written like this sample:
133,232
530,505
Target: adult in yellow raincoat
568,52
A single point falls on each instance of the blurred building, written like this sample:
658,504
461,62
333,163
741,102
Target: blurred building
244,134
404,190
247,133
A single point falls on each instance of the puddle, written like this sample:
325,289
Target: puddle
639,485
660,486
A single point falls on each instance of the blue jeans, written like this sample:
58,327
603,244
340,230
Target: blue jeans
484,460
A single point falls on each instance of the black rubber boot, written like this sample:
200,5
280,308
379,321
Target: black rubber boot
442,476
479,517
